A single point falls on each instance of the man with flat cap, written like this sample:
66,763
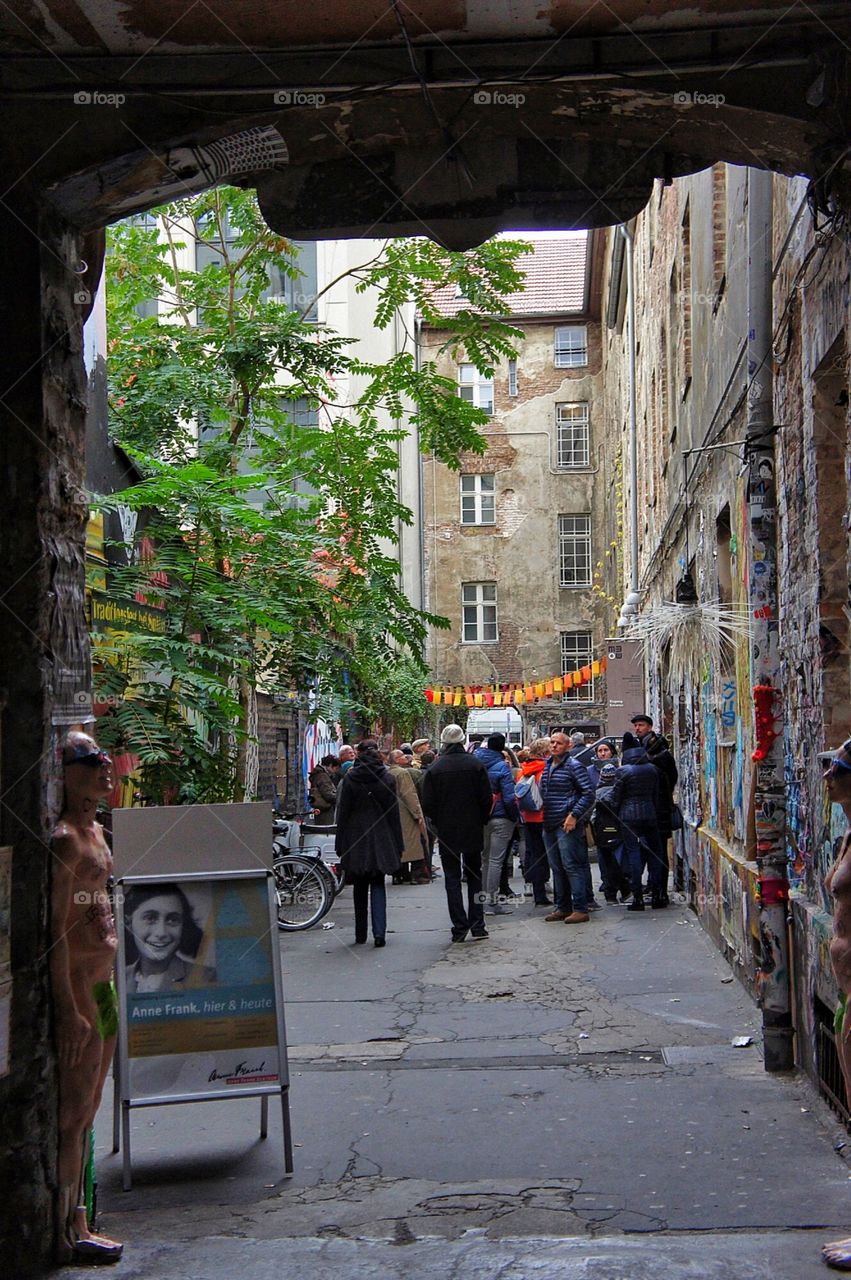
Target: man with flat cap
658,752
457,797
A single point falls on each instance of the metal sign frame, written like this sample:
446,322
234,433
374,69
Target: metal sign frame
124,1103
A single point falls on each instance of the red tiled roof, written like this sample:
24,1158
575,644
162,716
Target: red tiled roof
555,278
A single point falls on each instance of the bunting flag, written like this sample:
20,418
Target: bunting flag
507,694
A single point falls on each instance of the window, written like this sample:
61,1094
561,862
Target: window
512,377
478,500
574,539
475,388
147,222
574,445
478,600
571,346
577,651
299,293
301,412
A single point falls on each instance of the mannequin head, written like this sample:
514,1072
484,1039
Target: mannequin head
88,770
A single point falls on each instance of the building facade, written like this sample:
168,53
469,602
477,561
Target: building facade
515,537
758,517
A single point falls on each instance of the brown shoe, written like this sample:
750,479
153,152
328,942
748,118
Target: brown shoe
577,917
555,915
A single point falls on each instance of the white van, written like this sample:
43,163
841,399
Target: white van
488,720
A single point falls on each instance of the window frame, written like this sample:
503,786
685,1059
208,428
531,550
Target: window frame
582,656
476,385
479,494
570,355
582,422
479,604
578,557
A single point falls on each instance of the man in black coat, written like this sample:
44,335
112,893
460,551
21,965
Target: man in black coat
457,797
659,751
659,754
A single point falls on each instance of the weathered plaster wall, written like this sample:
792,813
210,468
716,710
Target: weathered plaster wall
520,551
691,280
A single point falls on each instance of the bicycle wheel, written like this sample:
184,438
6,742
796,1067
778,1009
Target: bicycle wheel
302,890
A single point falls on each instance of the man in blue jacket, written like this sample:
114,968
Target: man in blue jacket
568,800
500,826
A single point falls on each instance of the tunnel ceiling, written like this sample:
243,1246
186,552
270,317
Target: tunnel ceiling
444,118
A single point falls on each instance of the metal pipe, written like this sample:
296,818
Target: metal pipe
774,979
633,427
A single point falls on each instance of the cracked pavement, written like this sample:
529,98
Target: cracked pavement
555,1100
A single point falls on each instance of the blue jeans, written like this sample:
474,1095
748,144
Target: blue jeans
567,854
643,847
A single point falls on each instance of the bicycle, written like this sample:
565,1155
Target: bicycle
307,874
304,890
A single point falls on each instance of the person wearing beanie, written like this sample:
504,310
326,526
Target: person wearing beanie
608,837
456,797
452,735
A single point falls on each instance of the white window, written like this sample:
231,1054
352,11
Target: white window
475,388
478,499
478,605
574,546
576,652
574,435
512,377
571,346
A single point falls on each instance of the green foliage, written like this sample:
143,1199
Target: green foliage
399,702
269,536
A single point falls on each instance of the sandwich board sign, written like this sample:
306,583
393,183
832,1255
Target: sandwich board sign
200,999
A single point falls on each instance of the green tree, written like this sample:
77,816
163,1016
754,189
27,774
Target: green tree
267,533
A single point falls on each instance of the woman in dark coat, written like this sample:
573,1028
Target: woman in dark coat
369,837
322,796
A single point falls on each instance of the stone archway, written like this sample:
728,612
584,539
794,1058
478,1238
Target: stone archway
394,118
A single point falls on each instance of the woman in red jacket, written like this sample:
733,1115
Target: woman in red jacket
536,867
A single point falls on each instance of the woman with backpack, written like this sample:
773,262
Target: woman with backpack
536,869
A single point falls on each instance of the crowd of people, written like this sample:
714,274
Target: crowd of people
481,804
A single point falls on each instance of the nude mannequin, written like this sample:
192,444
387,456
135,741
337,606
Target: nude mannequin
82,960
837,779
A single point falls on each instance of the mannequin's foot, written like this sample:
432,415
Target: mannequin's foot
837,1254
89,1249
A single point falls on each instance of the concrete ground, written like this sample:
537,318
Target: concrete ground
554,1101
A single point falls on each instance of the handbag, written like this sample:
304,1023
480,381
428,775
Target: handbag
677,823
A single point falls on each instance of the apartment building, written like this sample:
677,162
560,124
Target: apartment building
515,536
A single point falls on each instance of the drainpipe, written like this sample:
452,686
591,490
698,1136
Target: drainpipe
418,337
773,976
633,599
